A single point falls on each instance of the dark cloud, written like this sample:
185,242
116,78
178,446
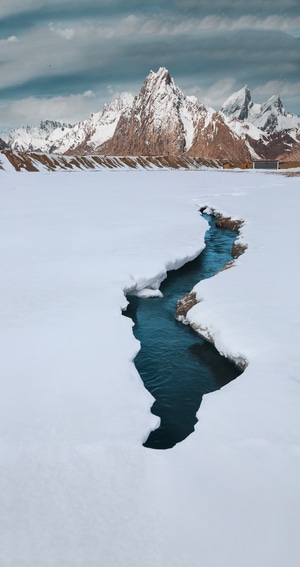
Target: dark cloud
37,13
18,17
250,56
67,47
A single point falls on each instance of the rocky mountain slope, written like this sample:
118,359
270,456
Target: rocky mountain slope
84,137
161,120
267,129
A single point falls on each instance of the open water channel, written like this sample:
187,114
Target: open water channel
176,365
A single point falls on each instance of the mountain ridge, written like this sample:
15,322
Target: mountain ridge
160,120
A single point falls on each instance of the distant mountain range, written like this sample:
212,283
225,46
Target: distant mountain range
161,120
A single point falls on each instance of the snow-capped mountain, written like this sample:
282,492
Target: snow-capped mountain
92,133
160,119
165,121
38,138
85,137
269,117
238,105
267,129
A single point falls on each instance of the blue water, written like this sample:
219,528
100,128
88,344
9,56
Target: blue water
175,364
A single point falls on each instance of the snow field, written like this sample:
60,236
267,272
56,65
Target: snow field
77,487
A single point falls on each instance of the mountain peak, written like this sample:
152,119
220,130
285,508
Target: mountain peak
160,79
270,116
238,104
124,100
274,102
162,73
161,120
273,116
50,125
158,94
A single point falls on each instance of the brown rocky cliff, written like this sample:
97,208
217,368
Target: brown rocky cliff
157,125
278,146
154,126
216,140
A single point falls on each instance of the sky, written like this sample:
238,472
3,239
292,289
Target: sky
64,59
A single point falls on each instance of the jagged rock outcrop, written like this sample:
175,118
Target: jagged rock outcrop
3,145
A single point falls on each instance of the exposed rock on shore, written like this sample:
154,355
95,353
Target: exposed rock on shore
184,304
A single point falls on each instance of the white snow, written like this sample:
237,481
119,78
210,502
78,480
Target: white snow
255,119
40,138
77,488
238,103
59,138
5,164
187,115
105,122
241,129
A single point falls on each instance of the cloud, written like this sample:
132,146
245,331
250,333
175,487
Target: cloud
10,39
32,110
40,53
216,94
277,87
212,24
9,7
65,33
64,48
167,26
60,60
288,92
